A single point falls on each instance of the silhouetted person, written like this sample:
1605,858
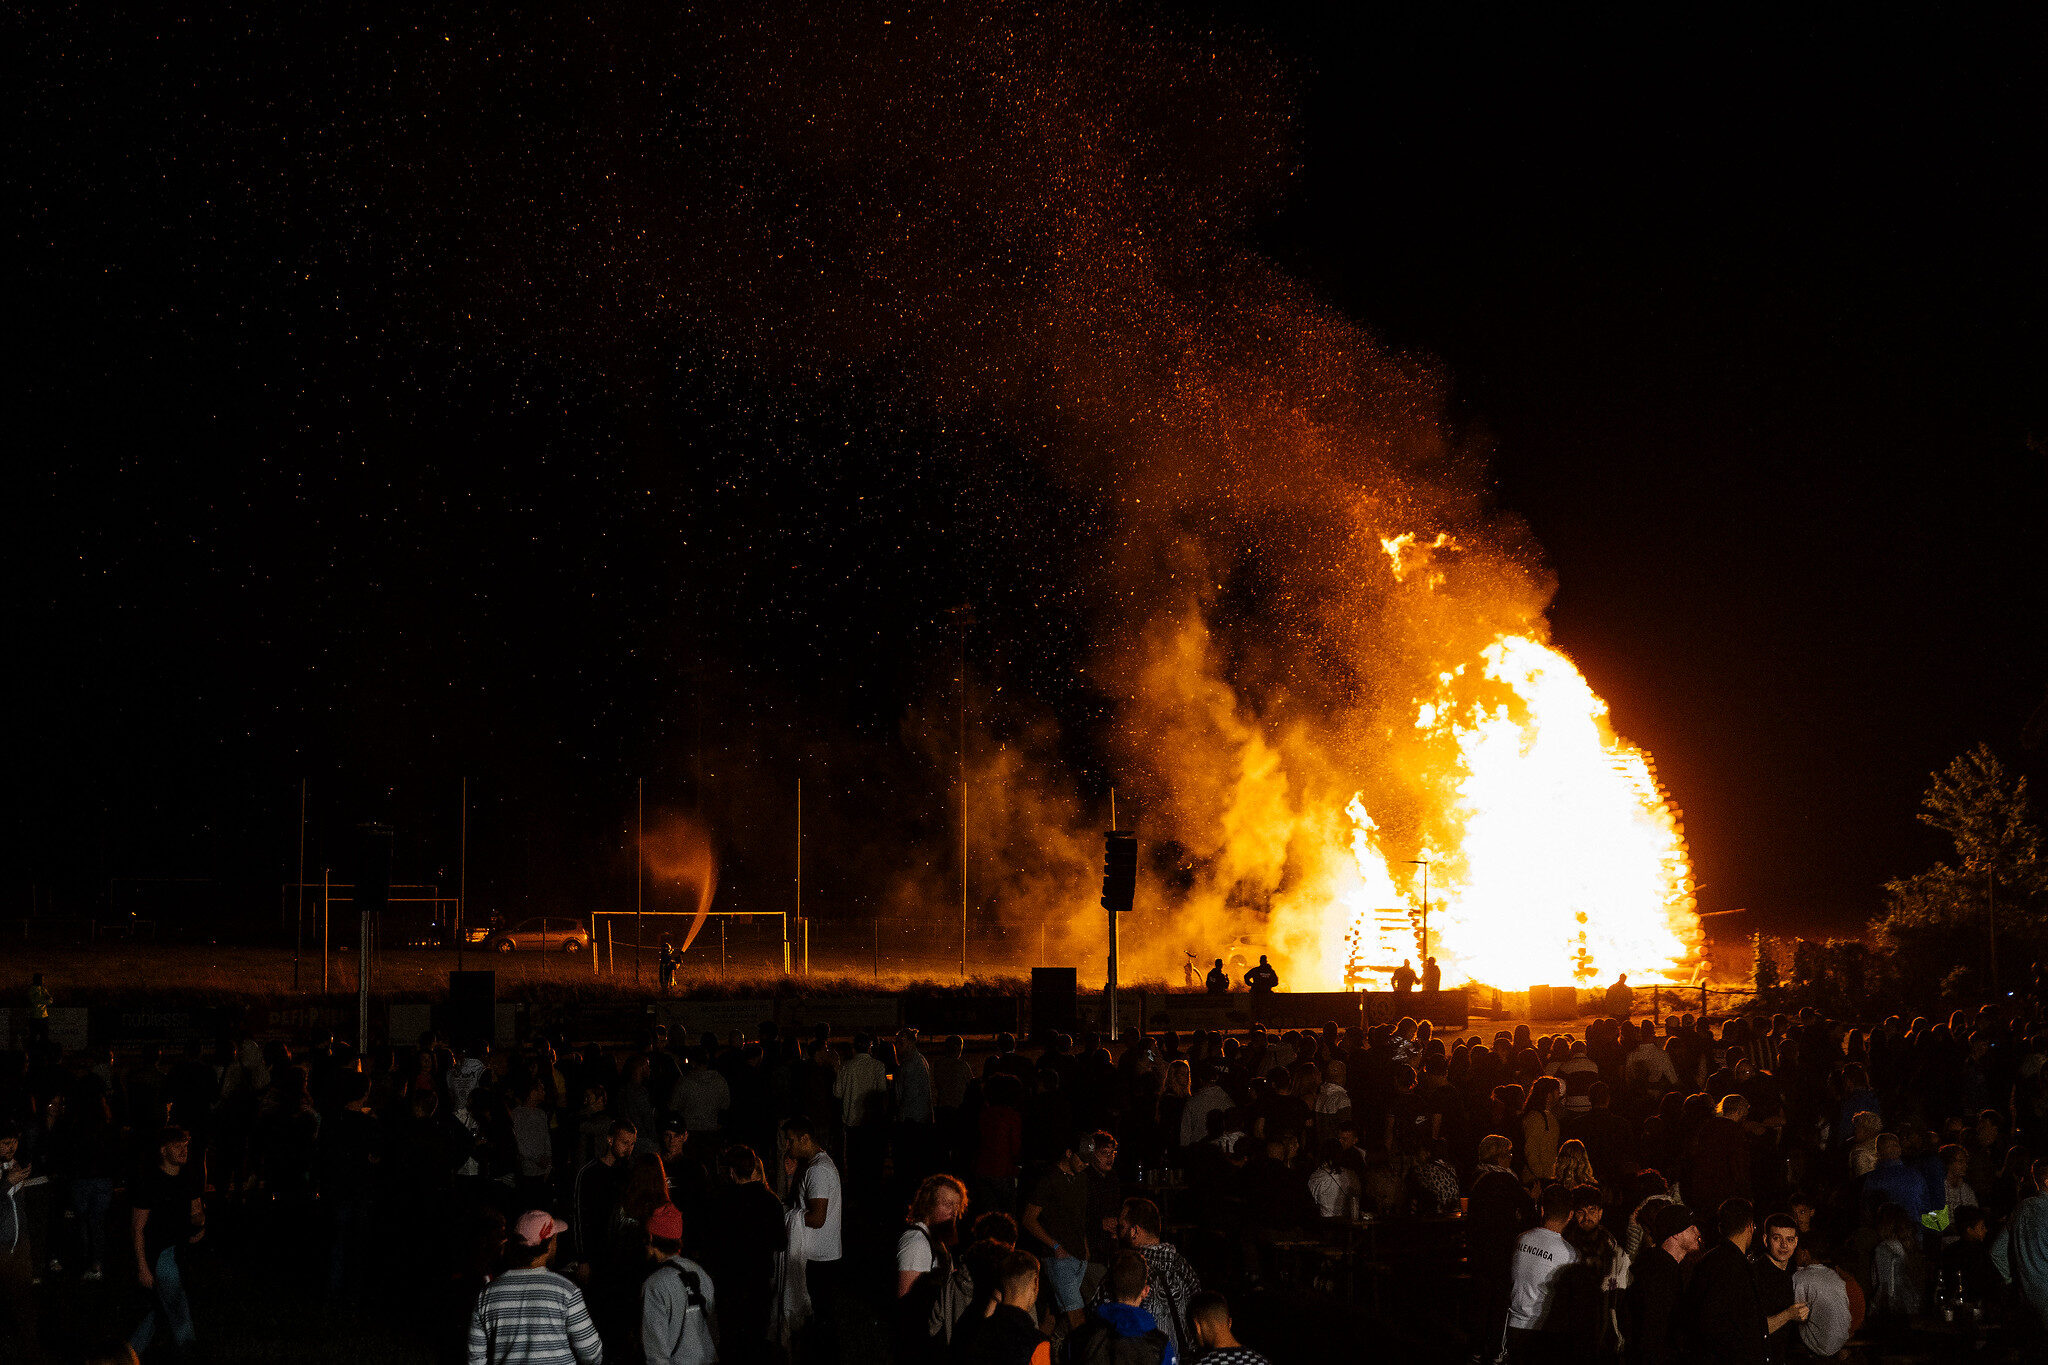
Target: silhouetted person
1621,998
666,964
1404,978
1721,1317
1262,979
1218,980
1432,975
39,1002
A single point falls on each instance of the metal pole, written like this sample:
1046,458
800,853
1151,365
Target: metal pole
1112,939
326,906
963,793
364,929
807,947
462,882
299,892
1112,976
799,887
639,876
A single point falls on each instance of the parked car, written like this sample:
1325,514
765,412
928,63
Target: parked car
534,935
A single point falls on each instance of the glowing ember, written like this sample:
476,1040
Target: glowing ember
1561,860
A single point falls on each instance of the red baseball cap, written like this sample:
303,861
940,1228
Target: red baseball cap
666,1222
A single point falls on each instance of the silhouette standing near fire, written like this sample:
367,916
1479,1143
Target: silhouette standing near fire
1262,979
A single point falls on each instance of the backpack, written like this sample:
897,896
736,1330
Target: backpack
952,1290
693,1288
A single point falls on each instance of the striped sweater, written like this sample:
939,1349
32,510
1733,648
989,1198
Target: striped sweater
532,1317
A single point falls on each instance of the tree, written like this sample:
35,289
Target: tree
1765,969
1998,868
1986,813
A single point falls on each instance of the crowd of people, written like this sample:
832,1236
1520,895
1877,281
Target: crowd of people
1757,1189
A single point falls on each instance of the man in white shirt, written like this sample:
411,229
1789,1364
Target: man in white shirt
1334,1189
862,1089
1540,1254
815,1191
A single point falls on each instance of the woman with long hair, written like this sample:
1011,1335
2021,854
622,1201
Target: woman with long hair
1178,1089
933,1225
1574,1166
924,1262
1542,1130
628,1259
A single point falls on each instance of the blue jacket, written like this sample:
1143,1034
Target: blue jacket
1125,1321
1894,1182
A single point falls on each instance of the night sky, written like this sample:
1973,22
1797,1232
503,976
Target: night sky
1751,319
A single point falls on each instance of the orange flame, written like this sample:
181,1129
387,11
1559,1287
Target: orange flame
1554,856
1562,861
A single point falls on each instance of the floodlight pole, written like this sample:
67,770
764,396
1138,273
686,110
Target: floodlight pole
639,875
964,613
299,892
366,931
462,881
799,880
1111,984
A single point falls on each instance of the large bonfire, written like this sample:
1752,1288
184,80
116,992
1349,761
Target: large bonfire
1550,855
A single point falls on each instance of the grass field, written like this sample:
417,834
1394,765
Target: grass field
197,975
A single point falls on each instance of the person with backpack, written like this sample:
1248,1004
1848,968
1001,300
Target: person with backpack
933,1288
1122,1331
678,1306
1173,1279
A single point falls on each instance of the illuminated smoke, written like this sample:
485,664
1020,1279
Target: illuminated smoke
1324,647
679,853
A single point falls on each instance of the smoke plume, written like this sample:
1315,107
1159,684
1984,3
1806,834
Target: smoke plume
1034,220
